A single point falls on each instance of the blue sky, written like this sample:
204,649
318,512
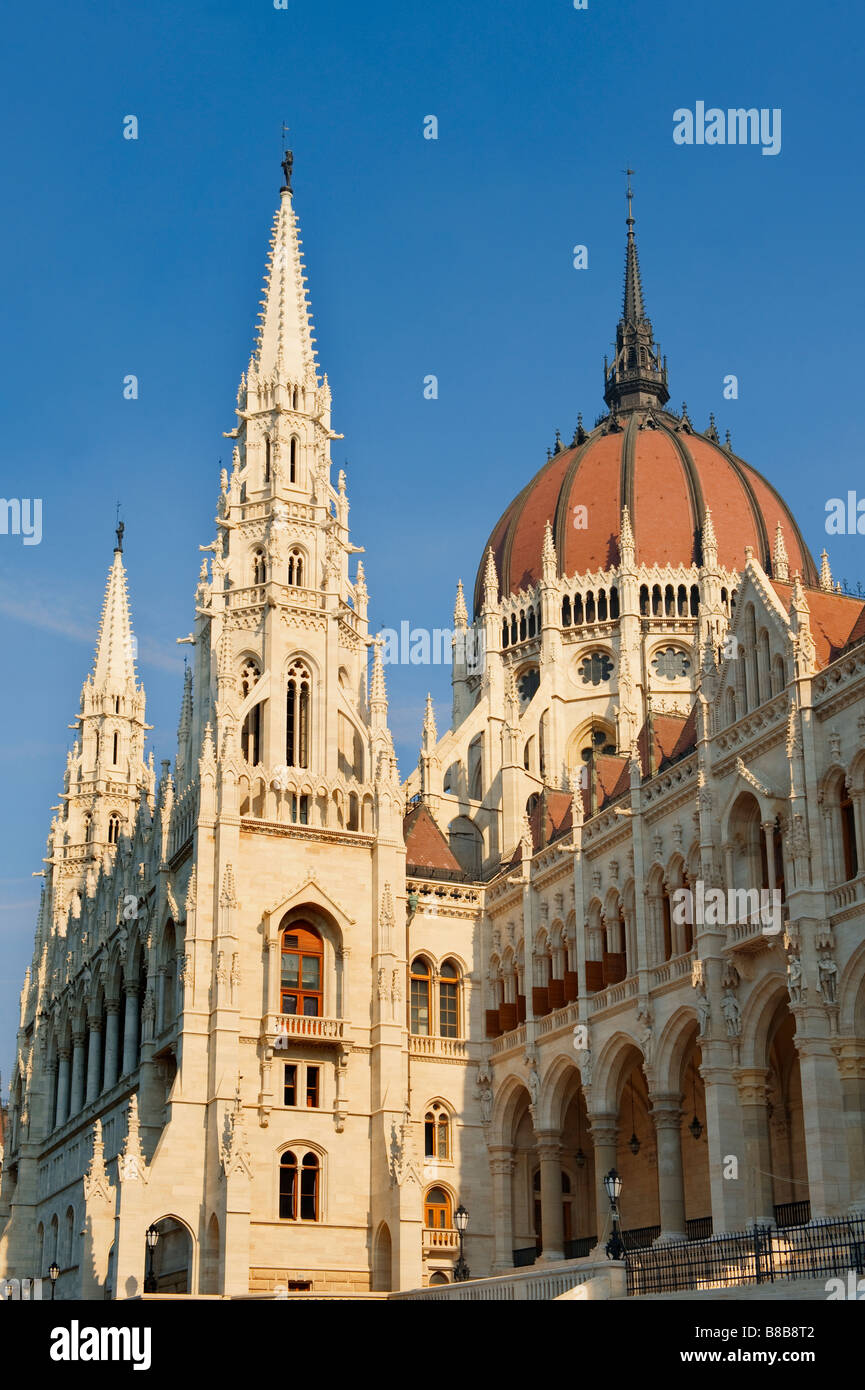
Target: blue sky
450,257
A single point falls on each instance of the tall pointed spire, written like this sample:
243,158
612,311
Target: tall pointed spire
285,338
114,662
637,376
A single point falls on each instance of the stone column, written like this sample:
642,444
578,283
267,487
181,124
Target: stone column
605,1133
61,1113
94,1059
549,1151
825,1128
851,1070
130,1031
727,1178
502,1171
112,1037
76,1104
667,1119
768,827
757,1166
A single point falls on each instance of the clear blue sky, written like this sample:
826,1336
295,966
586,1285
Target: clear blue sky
450,257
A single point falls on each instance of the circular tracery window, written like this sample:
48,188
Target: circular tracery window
671,664
596,668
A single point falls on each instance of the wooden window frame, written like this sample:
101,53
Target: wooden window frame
301,994
417,980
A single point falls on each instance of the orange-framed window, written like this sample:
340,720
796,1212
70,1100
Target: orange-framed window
302,968
299,1187
437,1210
449,1000
420,993
313,1089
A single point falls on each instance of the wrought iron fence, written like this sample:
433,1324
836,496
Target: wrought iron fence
762,1255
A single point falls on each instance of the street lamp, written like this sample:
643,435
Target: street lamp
151,1236
614,1248
461,1217
53,1275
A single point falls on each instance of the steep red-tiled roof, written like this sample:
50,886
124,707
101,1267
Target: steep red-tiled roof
836,619
426,845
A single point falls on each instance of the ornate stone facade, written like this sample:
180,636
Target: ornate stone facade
554,950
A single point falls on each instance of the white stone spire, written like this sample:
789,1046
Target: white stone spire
461,617
114,663
285,338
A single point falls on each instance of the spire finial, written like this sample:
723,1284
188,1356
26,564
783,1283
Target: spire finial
287,161
120,528
637,376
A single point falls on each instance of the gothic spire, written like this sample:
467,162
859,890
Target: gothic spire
114,662
780,560
637,376
285,338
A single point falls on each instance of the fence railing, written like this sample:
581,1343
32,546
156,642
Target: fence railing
763,1255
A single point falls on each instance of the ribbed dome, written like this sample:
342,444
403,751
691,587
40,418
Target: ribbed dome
668,475
643,456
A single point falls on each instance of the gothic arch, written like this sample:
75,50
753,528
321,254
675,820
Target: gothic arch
851,994
560,1084
677,1039
511,1101
619,1055
758,1017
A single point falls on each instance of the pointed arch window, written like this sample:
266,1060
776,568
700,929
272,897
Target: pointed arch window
88,829
292,460
250,737
299,1187
267,455
420,992
113,829
116,749
297,716
437,1132
259,567
295,569
302,968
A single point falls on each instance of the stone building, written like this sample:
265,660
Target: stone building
291,1012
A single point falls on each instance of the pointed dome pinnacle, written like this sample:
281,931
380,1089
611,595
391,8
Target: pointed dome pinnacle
491,580
548,553
780,559
626,537
825,573
378,689
461,617
430,733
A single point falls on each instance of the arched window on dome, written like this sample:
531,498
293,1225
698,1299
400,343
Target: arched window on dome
505,633
644,600
524,632
614,602
590,607
602,605
531,622
669,602
695,600
578,610
682,601
656,601
513,628
566,611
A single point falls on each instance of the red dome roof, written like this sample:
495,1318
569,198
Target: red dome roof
668,476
